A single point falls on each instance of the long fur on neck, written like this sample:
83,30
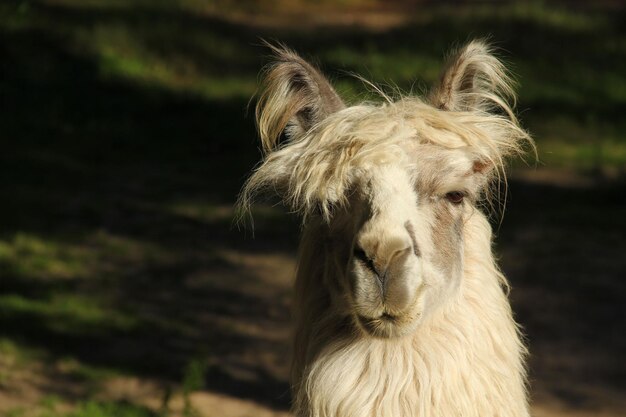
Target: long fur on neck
464,360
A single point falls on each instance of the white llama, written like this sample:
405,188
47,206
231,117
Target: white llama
400,307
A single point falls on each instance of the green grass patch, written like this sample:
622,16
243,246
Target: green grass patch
28,255
66,313
44,259
83,371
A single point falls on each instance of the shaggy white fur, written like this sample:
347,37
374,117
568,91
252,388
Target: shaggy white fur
466,360
400,309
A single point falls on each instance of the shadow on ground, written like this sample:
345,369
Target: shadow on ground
128,188
561,248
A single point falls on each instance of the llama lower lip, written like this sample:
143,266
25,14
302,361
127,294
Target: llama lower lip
383,326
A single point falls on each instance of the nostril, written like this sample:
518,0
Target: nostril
399,255
360,255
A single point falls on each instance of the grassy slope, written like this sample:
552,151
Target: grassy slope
124,144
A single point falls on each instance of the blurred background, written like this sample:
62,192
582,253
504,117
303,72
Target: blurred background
126,292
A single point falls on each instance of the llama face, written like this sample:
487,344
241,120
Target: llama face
405,257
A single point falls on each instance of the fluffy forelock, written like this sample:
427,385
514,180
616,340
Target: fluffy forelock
314,172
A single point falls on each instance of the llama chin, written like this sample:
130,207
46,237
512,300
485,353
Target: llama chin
399,306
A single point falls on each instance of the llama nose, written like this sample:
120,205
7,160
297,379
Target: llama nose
381,262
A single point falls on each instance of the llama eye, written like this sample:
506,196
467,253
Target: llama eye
455,197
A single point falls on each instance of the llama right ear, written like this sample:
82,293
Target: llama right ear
473,79
294,97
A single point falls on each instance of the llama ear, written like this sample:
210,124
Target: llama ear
473,79
294,97
480,166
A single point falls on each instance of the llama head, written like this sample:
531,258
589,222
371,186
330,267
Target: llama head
386,188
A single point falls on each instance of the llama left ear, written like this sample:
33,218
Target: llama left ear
295,96
473,79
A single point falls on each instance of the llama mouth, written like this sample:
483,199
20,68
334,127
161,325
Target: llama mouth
383,326
387,317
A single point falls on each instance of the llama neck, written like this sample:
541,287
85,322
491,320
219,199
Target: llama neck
465,360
